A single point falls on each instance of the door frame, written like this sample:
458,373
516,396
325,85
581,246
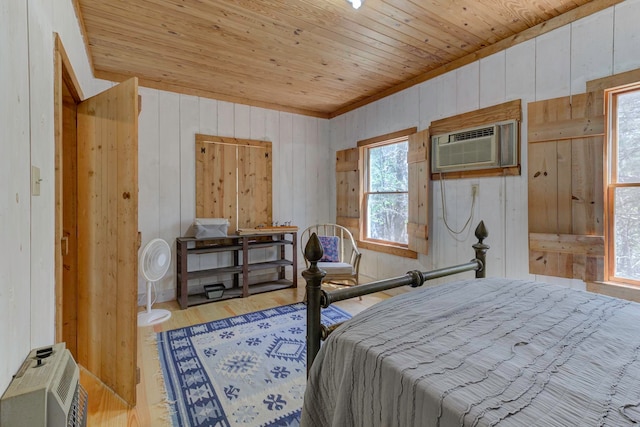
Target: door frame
63,74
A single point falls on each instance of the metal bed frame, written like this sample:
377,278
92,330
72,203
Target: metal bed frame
318,298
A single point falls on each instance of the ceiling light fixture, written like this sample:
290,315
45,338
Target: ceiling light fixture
355,3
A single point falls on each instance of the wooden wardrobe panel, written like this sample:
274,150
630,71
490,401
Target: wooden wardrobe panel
108,237
216,181
234,181
254,186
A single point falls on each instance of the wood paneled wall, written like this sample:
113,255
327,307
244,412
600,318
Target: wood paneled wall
27,259
553,65
168,125
15,203
556,64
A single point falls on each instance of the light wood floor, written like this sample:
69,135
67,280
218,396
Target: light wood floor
106,409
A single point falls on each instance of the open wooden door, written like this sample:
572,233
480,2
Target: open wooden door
107,171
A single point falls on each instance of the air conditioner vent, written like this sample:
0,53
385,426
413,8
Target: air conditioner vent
472,134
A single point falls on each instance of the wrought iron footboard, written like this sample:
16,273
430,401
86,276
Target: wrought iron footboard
318,298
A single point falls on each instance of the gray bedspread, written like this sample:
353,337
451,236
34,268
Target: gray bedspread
481,352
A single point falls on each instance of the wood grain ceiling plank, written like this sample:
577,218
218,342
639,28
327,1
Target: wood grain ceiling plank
323,56
276,25
324,38
471,17
371,20
216,63
229,83
216,74
586,9
186,90
336,24
515,12
440,16
547,9
434,39
225,83
383,70
311,49
495,16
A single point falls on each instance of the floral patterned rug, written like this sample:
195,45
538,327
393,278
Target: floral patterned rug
248,370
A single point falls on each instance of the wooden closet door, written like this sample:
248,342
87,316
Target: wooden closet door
108,236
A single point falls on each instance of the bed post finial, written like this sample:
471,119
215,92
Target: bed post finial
313,276
481,249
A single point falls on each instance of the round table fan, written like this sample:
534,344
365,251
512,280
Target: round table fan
153,264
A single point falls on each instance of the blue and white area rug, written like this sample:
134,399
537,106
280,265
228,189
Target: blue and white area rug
247,370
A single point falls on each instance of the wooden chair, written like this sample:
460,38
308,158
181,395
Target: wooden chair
344,265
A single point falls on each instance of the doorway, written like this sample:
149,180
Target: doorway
96,222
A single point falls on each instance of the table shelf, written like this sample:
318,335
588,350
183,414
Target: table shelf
239,269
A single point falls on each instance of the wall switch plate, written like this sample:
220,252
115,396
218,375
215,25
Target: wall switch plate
35,181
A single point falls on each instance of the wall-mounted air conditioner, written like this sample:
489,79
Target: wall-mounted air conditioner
482,147
45,392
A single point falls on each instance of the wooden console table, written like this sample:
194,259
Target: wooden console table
240,268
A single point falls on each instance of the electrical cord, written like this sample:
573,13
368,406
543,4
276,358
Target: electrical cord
444,209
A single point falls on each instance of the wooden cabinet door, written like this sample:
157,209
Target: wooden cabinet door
107,236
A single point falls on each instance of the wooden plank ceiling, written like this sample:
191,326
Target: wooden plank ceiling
315,57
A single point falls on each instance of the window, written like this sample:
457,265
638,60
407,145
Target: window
622,196
386,192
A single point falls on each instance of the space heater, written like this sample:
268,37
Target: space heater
45,392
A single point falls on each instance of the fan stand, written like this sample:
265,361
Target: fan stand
152,316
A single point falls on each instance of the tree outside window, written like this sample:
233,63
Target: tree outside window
387,192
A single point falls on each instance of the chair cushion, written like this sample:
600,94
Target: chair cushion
330,248
336,267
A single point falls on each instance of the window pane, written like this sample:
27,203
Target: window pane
627,232
388,170
629,137
388,217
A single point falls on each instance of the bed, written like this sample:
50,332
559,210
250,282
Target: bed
480,352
